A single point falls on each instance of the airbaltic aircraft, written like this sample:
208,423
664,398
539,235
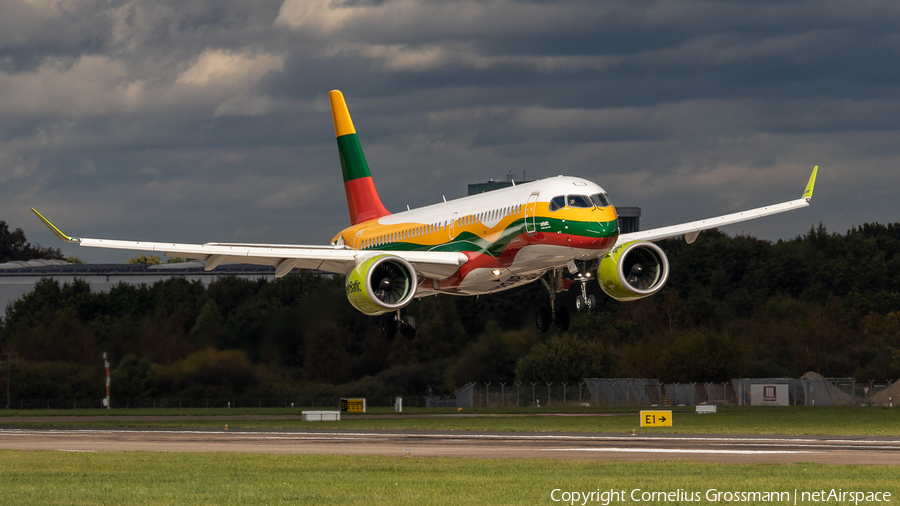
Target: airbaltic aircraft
473,245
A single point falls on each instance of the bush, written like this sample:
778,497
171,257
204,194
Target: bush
58,380
566,358
208,374
133,379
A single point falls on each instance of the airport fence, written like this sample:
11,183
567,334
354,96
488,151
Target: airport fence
588,392
594,392
520,394
234,403
809,391
651,392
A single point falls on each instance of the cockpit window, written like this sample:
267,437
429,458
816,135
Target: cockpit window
581,201
557,203
601,200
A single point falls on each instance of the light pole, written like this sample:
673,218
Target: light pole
106,365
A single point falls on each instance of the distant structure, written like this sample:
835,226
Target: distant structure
493,184
629,217
18,278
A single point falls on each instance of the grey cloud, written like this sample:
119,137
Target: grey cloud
199,120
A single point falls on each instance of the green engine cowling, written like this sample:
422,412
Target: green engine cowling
381,284
633,270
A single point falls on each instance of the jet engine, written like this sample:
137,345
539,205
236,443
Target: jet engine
381,284
633,271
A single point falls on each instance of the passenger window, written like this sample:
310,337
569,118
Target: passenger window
580,201
557,203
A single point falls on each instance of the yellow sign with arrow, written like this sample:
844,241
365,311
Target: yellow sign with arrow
656,418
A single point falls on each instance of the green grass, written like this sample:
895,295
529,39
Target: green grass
799,420
377,410
227,478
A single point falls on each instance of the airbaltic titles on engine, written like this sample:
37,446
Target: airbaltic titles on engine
473,245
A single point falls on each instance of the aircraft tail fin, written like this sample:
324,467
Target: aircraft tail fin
362,198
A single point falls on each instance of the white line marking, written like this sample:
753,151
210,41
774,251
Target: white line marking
673,450
848,446
11,432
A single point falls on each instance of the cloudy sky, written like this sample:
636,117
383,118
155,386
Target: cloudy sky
202,120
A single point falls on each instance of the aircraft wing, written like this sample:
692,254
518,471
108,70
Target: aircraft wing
691,230
337,259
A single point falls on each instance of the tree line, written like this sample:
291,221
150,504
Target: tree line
733,307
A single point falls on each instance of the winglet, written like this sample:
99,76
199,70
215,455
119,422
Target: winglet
807,194
56,231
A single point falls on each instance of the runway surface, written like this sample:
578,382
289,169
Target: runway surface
556,445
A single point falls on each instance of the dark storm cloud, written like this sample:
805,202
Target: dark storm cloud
198,120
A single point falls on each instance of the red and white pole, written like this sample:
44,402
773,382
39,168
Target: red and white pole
106,364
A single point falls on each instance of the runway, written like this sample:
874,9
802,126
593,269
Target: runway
554,445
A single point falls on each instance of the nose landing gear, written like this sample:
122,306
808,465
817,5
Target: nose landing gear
584,301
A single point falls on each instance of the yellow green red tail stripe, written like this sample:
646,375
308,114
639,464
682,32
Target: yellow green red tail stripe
362,198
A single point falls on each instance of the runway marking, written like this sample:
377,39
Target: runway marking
842,443
849,446
675,450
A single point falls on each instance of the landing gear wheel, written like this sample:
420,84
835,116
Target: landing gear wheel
580,304
388,328
591,302
408,328
542,319
562,319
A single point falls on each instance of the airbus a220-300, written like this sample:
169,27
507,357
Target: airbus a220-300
474,245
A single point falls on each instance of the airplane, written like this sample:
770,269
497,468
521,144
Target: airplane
474,245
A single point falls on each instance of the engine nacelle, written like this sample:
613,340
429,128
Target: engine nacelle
633,271
381,284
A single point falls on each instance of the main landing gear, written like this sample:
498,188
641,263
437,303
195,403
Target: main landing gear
553,281
545,315
391,323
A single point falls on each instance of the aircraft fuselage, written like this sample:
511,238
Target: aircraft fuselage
510,236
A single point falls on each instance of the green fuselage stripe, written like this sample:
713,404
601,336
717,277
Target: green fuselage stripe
353,161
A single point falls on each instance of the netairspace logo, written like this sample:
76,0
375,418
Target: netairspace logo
607,497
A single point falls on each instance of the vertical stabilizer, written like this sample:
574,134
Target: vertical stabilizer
362,198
